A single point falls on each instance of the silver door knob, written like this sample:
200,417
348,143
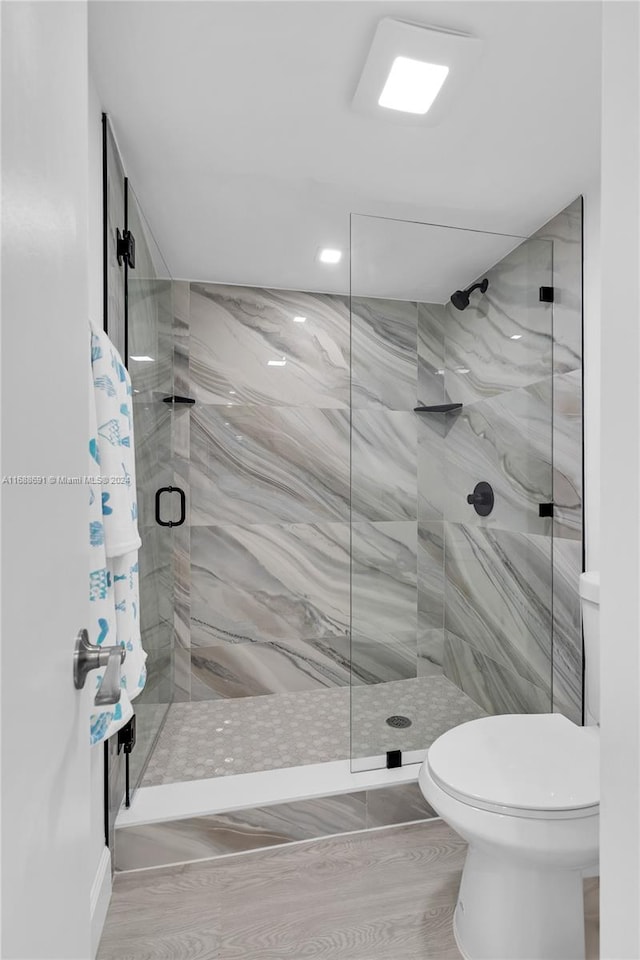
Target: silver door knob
87,656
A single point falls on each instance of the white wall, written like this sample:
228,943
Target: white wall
591,366
620,480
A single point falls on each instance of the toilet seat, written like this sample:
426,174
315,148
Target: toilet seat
539,766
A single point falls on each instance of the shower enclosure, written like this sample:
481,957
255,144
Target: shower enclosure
451,604
342,590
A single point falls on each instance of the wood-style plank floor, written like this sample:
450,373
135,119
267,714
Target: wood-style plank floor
377,895
383,895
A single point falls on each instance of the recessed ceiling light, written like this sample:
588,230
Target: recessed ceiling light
277,363
143,359
414,73
299,319
462,370
516,336
329,255
412,85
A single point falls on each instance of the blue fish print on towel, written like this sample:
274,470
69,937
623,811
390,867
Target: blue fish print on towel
104,630
122,605
99,583
93,450
99,726
119,576
105,383
106,509
96,533
124,410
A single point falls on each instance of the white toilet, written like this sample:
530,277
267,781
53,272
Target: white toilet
523,791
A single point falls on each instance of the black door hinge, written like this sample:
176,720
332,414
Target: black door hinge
126,248
127,736
547,294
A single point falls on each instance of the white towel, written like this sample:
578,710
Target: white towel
115,438
114,530
102,610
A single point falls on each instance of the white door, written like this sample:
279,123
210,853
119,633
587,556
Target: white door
46,815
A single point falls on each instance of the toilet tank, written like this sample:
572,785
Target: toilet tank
590,603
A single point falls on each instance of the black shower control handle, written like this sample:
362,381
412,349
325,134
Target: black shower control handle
482,498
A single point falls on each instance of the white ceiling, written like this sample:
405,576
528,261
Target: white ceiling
236,127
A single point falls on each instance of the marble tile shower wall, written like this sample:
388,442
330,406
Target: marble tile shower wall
511,636
262,566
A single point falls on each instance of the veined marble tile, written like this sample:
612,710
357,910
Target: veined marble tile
150,335
567,629
383,353
378,661
499,597
153,452
565,232
251,669
269,582
431,575
383,580
431,329
236,331
430,651
383,465
239,830
432,429
180,297
567,454
268,464
482,359
182,593
489,683
507,442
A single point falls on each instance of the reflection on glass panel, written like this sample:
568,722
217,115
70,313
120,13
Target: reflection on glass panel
450,590
151,368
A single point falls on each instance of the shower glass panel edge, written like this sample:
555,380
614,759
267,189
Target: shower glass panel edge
433,639
151,366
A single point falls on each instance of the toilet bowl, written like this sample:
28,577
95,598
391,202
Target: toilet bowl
523,791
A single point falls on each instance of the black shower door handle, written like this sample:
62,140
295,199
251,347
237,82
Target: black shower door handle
183,507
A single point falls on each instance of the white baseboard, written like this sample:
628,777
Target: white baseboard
100,898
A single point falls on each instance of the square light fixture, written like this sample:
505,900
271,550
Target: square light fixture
516,336
413,73
277,363
142,359
299,319
412,85
329,255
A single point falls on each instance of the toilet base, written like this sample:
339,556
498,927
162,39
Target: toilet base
511,911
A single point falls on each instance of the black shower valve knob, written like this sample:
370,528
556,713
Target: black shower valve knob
482,498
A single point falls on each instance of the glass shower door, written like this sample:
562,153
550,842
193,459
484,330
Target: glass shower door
451,602
150,362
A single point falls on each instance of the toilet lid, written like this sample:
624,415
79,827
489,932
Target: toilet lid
529,762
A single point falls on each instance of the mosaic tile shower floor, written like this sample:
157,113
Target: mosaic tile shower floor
242,735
